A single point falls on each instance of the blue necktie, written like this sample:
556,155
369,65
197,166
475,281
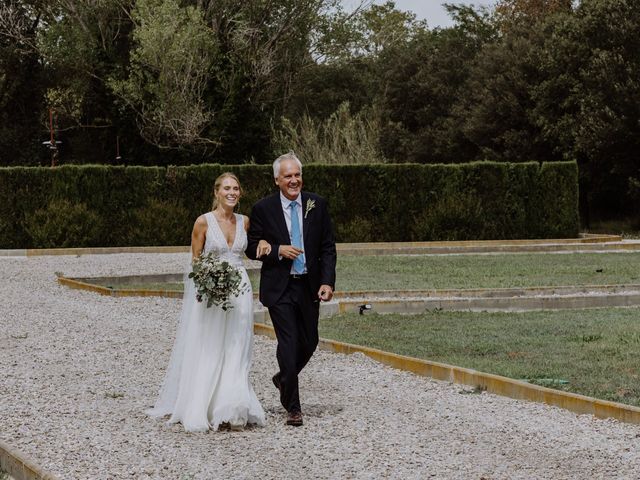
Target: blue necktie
296,238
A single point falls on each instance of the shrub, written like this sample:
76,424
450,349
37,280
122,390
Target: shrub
378,203
161,223
64,224
355,231
341,139
451,218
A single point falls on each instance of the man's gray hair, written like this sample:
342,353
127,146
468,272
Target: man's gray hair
287,156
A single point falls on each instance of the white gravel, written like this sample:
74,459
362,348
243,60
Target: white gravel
79,370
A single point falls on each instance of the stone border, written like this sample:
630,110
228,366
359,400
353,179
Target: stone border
495,304
19,466
495,384
418,301
584,242
114,292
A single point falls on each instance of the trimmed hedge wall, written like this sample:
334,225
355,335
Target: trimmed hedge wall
95,205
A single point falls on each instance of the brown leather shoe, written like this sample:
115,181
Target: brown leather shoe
276,380
294,419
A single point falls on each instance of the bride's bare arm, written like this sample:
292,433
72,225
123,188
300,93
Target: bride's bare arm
198,236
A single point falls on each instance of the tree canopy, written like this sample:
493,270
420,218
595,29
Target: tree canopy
233,81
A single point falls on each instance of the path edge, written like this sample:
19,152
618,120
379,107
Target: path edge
20,467
496,384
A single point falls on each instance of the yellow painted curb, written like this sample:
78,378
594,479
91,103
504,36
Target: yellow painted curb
497,292
496,384
345,248
19,466
114,292
588,238
37,252
379,295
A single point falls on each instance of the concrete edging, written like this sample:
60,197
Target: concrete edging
496,384
584,242
418,301
111,292
19,466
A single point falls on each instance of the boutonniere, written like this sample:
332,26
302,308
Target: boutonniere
310,206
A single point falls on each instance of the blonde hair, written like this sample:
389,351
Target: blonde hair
218,183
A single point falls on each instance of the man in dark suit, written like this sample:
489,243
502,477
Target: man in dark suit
292,234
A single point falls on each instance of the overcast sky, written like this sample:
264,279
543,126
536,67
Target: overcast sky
431,10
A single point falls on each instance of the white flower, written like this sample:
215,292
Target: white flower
310,206
216,280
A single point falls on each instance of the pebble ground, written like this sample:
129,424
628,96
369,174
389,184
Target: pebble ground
79,369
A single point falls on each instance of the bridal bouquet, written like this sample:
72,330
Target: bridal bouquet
216,280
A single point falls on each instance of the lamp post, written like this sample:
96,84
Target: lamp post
52,143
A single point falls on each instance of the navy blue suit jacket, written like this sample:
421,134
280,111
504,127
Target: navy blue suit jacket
268,223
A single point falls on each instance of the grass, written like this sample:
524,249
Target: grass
486,271
596,352
628,227
592,352
404,272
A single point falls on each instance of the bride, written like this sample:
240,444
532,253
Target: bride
207,382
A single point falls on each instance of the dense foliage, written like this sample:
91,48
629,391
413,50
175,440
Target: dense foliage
179,82
94,205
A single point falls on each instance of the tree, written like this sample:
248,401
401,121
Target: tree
422,82
171,62
510,12
589,105
495,109
21,84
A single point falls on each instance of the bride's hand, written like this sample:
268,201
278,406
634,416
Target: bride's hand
264,248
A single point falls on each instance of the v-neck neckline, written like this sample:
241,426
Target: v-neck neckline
224,239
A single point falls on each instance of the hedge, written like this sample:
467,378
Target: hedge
97,205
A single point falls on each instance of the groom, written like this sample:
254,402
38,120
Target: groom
291,232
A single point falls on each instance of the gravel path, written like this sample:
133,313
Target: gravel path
79,369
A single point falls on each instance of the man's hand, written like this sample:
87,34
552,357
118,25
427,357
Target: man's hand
325,293
264,248
289,251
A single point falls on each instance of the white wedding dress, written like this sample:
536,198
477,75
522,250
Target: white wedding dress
207,381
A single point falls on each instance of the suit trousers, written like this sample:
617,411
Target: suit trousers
295,320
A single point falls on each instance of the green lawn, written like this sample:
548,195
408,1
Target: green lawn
485,271
402,272
597,351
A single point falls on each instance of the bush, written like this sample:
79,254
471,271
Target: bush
161,223
64,224
451,218
342,139
355,231
368,203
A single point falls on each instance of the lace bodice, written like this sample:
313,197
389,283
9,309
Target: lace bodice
215,241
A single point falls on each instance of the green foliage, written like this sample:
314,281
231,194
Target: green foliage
422,83
161,223
64,224
119,206
450,218
170,67
590,352
343,138
559,195
424,272
528,80
358,229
